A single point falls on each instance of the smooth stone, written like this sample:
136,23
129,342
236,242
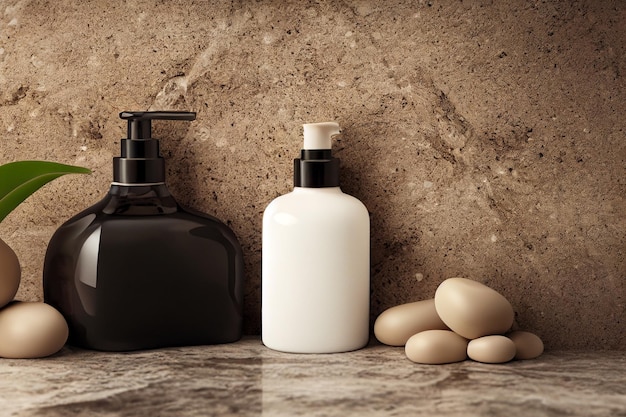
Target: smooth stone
397,324
527,345
31,330
472,309
10,273
436,347
491,349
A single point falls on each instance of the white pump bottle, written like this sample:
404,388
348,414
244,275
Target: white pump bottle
316,258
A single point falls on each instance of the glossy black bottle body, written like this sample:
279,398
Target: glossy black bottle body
136,271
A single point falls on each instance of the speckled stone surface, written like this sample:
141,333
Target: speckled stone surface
487,139
246,378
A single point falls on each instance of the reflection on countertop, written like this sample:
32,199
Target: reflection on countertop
245,378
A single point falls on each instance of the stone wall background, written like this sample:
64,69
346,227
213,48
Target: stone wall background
486,138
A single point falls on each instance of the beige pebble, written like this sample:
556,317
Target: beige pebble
10,273
472,309
436,347
491,349
31,330
527,345
396,325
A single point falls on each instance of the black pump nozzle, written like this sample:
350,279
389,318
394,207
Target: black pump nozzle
140,125
140,162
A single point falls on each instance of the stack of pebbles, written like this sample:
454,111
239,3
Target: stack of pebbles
465,319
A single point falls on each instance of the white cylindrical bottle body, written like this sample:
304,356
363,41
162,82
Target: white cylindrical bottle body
315,272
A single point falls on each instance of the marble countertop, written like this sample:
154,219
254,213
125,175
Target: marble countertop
245,378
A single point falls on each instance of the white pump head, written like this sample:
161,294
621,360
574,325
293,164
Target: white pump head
318,135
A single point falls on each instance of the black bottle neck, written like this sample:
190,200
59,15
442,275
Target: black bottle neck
316,168
140,163
140,200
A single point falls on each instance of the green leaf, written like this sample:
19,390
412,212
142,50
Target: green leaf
20,179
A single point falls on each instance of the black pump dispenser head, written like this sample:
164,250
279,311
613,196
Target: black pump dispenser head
140,162
316,167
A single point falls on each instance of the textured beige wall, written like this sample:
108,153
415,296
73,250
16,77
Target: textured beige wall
487,139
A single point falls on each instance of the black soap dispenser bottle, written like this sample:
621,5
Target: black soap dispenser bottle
136,270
